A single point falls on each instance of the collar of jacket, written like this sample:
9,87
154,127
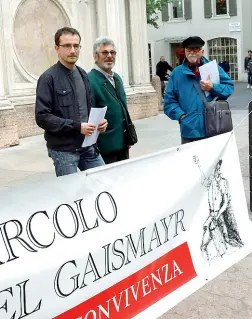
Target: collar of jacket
107,84
187,70
102,76
107,75
104,79
64,68
69,72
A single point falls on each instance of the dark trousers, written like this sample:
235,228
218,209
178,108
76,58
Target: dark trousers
250,78
185,140
162,88
116,156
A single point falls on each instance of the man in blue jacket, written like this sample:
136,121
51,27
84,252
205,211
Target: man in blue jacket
182,101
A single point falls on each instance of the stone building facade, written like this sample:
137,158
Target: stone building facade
27,49
225,25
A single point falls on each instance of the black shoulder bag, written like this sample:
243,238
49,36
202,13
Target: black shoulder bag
217,114
129,128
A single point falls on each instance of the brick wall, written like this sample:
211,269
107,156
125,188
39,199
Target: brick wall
26,121
8,127
157,86
19,121
142,105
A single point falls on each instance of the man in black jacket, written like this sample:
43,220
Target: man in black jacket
247,60
63,103
161,70
225,65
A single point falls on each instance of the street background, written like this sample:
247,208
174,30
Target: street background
228,296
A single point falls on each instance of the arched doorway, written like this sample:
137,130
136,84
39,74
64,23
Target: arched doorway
226,48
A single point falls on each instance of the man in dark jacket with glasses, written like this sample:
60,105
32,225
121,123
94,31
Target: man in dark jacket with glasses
63,103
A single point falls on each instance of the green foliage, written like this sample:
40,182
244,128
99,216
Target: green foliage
153,8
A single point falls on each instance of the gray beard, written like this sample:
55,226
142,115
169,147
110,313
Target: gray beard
109,67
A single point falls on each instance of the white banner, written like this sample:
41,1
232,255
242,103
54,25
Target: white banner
127,240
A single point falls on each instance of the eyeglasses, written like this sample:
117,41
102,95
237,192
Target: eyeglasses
106,53
193,50
70,46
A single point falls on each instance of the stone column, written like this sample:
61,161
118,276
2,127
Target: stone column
4,87
87,26
139,45
117,31
8,121
101,9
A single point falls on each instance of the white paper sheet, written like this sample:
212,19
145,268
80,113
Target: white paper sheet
95,117
210,69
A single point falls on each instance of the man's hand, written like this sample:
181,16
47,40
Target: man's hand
206,85
87,129
103,126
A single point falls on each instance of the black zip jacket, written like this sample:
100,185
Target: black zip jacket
162,68
57,110
246,62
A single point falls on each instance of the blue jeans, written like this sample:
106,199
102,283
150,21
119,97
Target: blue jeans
66,163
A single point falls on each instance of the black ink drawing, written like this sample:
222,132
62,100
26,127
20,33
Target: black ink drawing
220,231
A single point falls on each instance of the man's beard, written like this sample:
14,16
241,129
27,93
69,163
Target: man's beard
192,59
109,67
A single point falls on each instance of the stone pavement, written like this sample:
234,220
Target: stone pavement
228,296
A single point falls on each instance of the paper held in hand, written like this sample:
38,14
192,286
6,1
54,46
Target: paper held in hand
210,70
95,117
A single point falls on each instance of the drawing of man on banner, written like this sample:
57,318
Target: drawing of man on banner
220,231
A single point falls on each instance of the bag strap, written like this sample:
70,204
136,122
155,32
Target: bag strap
124,109
126,112
201,94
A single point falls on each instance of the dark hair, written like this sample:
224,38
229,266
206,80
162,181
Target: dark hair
249,51
65,30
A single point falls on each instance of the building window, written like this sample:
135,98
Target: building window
225,48
221,7
176,9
